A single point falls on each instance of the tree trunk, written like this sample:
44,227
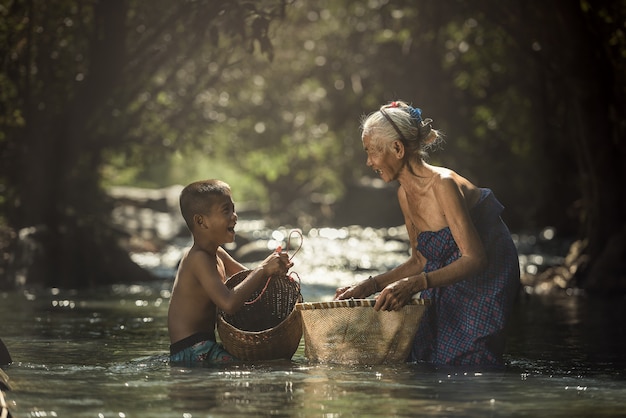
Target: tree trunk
588,93
65,236
580,49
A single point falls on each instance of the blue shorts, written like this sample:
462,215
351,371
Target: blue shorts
198,350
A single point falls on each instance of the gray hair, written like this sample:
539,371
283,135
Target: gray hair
399,121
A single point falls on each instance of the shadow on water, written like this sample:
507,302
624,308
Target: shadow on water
565,335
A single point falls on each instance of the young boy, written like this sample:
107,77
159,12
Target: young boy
199,288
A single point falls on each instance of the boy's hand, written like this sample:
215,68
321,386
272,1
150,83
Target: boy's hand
276,264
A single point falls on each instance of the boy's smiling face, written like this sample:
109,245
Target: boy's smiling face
220,220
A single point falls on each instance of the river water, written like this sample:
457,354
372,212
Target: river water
103,353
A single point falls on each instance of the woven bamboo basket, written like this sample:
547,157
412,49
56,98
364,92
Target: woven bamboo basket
352,332
265,329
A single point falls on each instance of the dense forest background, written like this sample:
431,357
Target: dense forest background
268,95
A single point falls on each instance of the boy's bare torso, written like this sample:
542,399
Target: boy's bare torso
191,309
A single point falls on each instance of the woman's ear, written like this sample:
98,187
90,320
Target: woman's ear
398,149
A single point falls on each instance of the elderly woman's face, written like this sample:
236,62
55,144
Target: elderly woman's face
381,159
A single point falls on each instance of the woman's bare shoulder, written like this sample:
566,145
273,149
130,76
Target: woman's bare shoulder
450,182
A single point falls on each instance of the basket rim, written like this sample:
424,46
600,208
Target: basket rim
350,303
241,275
221,321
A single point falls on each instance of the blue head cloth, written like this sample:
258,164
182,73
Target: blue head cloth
416,113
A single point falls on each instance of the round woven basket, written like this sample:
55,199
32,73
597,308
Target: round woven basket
267,327
352,332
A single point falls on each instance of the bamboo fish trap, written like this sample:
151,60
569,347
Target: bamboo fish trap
352,332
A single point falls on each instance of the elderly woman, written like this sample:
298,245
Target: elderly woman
463,258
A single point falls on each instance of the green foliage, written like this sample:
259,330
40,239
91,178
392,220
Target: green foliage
291,123
91,84
160,92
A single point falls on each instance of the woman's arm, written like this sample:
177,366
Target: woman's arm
472,252
414,265
471,260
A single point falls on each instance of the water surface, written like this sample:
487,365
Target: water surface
103,353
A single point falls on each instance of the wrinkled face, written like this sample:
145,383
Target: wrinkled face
220,220
383,160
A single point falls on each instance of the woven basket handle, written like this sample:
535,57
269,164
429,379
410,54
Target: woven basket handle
298,232
289,276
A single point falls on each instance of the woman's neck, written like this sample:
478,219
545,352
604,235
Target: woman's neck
415,173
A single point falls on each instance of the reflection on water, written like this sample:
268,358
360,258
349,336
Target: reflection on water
103,353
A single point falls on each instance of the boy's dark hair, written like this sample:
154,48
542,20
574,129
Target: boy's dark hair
199,195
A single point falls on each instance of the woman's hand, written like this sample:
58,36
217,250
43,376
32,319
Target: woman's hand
360,290
396,295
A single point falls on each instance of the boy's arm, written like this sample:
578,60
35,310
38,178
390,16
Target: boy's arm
227,300
231,266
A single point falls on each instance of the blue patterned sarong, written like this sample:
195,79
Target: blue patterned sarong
464,325
199,350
